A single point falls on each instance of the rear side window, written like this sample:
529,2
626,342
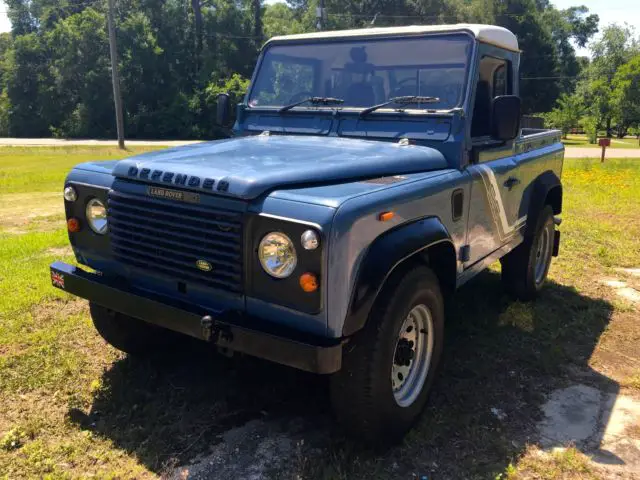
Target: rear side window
493,80
500,80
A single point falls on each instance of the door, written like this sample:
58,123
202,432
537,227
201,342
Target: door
496,189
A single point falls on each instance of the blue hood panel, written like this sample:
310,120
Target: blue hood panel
247,167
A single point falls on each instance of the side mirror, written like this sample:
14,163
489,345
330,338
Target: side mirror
223,112
505,117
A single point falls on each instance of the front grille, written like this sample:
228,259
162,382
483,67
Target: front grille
170,239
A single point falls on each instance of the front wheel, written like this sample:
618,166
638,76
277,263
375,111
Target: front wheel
389,366
129,334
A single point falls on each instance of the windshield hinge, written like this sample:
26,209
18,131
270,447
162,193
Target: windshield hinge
266,133
404,142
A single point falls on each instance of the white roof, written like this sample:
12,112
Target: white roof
498,36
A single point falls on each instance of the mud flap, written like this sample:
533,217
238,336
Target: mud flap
556,243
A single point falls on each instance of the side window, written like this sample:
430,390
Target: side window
493,80
500,80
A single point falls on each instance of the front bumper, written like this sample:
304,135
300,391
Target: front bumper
233,330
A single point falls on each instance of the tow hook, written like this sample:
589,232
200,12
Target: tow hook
212,330
206,324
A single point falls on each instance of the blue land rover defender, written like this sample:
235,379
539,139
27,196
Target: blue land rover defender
369,173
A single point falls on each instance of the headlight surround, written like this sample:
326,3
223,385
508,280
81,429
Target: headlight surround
70,194
277,255
310,240
96,213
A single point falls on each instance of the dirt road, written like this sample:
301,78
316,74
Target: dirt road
59,142
586,152
570,152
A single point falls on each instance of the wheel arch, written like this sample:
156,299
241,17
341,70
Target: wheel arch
547,190
425,241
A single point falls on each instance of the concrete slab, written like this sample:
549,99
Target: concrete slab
621,288
603,425
630,271
571,416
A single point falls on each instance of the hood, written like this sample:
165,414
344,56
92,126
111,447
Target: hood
247,167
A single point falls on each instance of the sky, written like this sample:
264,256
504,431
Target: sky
610,11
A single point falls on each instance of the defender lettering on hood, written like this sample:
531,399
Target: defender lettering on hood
177,179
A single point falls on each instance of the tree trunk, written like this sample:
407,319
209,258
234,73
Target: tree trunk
608,127
257,22
197,16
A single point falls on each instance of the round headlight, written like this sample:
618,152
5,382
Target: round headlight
70,194
277,255
310,240
97,216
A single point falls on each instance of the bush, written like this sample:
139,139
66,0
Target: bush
236,86
13,439
591,128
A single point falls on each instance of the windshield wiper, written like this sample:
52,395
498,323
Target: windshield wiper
407,100
313,101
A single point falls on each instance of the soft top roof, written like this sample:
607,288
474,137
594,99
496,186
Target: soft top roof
498,36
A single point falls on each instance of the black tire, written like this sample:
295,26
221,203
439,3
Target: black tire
129,334
361,392
520,276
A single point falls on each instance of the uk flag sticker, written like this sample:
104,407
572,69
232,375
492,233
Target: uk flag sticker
57,279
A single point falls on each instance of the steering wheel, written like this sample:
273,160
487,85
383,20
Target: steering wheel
300,96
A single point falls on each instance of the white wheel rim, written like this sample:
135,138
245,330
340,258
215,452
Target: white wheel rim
412,356
543,253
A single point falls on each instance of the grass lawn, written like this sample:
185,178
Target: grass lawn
581,141
73,407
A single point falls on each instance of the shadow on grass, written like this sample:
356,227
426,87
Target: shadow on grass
501,358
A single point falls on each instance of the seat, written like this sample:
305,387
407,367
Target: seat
360,94
481,122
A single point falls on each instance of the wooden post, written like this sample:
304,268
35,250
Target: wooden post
604,143
115,76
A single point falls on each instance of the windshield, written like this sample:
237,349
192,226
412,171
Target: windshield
365,72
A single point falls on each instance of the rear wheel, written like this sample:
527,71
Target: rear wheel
389,366
129,334
525,268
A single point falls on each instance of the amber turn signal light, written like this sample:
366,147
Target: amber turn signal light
386,216
308,282
73,224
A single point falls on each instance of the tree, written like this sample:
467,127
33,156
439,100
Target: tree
626,96
257,21
80,71
55,64
280,19
615,48
573,25
567,113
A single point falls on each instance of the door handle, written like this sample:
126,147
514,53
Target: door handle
511,182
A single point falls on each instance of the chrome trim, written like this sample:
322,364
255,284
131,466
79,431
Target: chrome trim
292,220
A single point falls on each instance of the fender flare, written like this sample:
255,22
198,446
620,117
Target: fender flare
383,256
547,188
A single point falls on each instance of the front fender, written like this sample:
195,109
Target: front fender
386,253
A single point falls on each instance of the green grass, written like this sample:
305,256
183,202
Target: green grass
581,141
566,464
43,169
72,407
49,356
